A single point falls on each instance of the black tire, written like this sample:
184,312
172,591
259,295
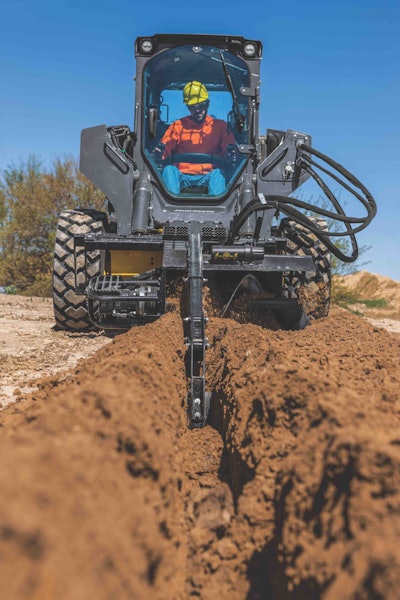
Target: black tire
313,290
70,309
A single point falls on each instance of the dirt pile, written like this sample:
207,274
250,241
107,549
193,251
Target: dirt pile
310,422
291,491
380,296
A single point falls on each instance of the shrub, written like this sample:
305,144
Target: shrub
31,198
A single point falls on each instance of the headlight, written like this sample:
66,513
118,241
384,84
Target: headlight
146,46
249,49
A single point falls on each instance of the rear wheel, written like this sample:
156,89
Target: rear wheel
312,289
70,268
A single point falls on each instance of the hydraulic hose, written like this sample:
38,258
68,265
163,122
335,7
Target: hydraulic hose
290,206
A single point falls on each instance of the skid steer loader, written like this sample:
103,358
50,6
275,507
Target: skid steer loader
252,243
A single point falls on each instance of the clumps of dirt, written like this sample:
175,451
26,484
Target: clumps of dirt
310,426
90,472
315,299
291,492
243,307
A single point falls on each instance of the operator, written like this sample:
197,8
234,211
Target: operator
196,133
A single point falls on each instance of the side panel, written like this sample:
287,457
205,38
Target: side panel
107,167
278,173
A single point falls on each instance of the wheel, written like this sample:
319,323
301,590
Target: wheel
312,289
70,309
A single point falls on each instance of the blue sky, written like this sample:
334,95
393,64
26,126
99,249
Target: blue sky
331,69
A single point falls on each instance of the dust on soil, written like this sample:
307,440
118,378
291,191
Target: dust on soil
291,492
31,347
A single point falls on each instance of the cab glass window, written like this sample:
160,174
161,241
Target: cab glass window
196,119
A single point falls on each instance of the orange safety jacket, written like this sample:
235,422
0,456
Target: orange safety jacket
185,135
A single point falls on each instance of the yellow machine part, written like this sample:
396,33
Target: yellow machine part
132,262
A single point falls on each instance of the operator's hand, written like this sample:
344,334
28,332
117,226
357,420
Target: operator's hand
157,152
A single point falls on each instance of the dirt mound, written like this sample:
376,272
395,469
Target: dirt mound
291,491
370,287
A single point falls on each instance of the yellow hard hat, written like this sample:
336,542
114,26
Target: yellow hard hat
194,92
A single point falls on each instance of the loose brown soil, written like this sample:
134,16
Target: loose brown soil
291,492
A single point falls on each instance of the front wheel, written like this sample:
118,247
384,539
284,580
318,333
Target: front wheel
313,289
71,268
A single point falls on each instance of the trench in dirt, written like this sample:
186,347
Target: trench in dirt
290,492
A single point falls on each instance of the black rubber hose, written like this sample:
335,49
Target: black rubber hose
370,202
289,206
299,217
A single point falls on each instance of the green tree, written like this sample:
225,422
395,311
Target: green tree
31,199
342,243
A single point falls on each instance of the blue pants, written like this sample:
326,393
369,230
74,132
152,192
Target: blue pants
175,180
